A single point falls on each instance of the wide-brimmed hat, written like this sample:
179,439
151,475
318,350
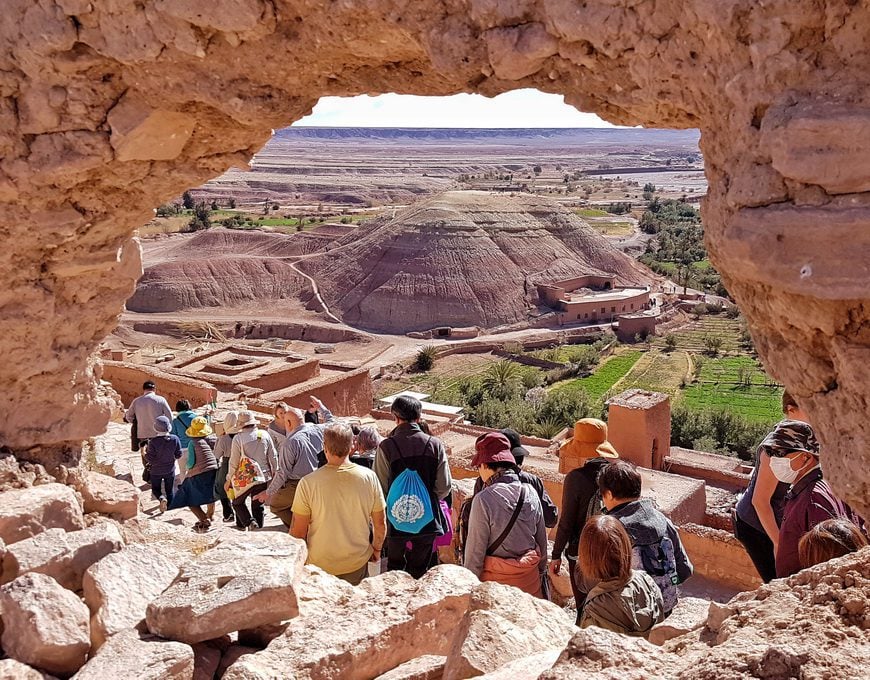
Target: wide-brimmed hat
589,441
246,419
790,436
230,422
492,447
199,427
517,449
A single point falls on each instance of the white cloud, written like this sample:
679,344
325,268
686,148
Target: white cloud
520,108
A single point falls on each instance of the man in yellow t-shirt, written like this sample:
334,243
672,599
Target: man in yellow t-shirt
339,510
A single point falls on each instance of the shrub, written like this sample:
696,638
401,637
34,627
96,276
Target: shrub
732,311
496,413
567,407
713,343
670,342
502,380
425,359
700,309
513,347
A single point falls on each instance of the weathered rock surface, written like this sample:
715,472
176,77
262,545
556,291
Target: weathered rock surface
131,655
28,512
109,496
386,621
462,258
44,625
176,543
427,667
246,581
207,660
61,554
503,624
811,625
690,614
119,588
526,667
10,669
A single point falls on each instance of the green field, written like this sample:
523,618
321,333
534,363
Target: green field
737,384
606,375
591,212
730,330
658,372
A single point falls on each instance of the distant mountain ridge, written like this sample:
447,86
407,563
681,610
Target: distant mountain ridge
567,135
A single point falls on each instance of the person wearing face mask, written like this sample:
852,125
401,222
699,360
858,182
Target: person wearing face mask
809,500
759,510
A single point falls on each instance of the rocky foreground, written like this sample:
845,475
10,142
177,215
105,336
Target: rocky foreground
93,589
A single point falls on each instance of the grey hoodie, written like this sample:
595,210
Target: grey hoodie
656,547
632,609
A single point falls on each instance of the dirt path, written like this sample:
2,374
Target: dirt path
316,290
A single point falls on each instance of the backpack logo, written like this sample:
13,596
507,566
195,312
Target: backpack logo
409,507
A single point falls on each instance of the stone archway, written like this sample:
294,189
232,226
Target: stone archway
110,108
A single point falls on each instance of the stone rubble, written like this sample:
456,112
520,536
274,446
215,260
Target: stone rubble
109,496
130,654
247,580
690,614
119,588
44,625
10,669
62,555
28,512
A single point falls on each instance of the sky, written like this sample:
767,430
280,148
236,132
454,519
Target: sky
519,108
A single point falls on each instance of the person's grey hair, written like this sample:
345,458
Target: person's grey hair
406,408
338,439
368,438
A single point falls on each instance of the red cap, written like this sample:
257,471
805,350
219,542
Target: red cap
493,447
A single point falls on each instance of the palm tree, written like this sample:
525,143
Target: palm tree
502,379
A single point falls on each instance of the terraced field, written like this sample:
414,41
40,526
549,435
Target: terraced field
692,340
606,375
737,384
658,372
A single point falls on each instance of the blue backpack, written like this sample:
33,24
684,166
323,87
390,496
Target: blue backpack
409,505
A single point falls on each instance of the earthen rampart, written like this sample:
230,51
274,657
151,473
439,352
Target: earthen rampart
127,380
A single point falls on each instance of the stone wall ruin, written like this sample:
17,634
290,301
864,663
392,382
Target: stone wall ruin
109,109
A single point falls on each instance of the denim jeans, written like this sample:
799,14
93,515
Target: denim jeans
163,485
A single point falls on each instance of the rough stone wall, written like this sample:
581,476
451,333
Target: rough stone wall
110,108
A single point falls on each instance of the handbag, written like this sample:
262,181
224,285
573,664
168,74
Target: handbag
248,474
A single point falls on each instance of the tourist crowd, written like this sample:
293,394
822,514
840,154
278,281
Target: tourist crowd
356,497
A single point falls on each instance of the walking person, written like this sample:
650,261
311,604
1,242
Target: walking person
144,410
197,489
409,448
222,451
590,450
253,464
339,511
656,547
758,513
183,419
620,598
367,442
507,539
277,428
161,454
299,455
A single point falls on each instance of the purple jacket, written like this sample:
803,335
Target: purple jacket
809,502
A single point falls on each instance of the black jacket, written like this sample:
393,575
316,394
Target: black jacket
579,489
408,447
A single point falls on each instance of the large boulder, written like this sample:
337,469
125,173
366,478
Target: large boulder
44,624
119,588
503,624
525,667
384,622
560,583
206,661
426,667
132,655
62,555
598,654
28,512
247,580
109,496
174,541
689,614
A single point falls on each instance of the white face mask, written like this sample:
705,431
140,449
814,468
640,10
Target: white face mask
782,470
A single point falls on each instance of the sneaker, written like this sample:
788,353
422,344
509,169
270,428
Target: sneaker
163,504
252,527
229,518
